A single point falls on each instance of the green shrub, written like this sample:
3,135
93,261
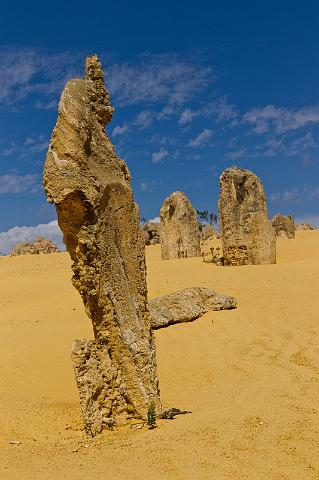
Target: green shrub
151,416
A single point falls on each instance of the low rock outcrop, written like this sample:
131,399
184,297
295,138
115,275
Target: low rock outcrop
284,226
40,245
90,187
152,233
304,226
246,232
187,305
180,236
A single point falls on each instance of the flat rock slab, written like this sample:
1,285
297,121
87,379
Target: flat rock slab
187,305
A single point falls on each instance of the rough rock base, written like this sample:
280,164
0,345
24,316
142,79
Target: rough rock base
102,395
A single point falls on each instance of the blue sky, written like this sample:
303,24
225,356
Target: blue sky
197,87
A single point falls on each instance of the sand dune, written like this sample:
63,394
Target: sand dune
250,376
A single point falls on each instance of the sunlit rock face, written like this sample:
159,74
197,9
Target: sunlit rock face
90,187
246,232
180,235
284,226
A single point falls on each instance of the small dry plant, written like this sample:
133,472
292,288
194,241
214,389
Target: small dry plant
151,416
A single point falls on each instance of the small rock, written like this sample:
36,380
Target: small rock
172,412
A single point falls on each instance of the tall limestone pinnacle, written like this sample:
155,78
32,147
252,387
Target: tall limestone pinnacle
246,232
90,187
180,236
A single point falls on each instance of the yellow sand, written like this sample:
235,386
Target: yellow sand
250,376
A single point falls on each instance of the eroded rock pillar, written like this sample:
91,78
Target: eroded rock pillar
246,232
90,187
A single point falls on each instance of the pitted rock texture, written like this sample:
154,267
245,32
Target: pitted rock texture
187,305
304,226
284,226
40,245
207,232
152,233
180,235
246,232
90,187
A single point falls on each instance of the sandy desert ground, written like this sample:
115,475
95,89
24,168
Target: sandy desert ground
250,376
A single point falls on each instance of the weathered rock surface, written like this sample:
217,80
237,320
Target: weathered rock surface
40,245
284,226
180,236
152,233
304,226
246,232
90,187
187,305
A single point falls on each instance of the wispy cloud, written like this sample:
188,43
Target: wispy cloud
50,230
280,119
223,111
201,140
36,144
144,119
235,154
167,79
296,194
158,78
118,131
25,71
155,220
15,183
186,116
157,157
9,149
150,186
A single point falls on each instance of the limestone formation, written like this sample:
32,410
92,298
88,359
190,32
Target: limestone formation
304,226
187,305
207,232
246,233
40,245
90,187
180,236
284,226
151,232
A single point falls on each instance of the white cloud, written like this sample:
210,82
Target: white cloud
201,140
234,155
300,144
158,78
38,144
279,119
9,150
166,113
186,116
221,110
158,156
49,105
296,194
50,230
155,220
275,197
15,183
25,71
144,119
120,130
162,79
